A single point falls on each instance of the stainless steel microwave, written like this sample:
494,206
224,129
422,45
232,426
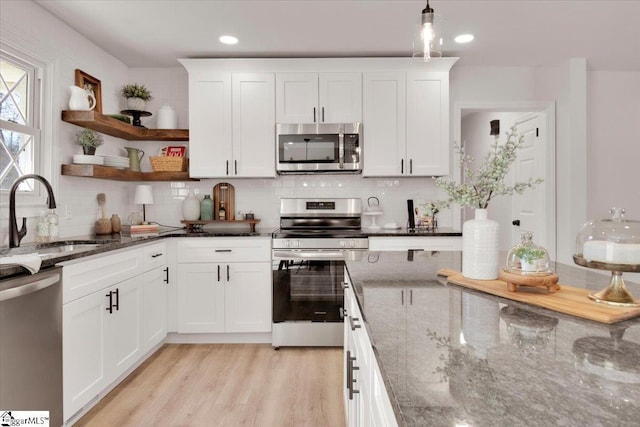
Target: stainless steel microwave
319,148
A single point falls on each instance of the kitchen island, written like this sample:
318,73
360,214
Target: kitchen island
453,356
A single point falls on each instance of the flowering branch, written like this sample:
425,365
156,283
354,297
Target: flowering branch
488,181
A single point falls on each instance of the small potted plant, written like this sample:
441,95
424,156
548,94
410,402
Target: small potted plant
529,255
136,95
89,140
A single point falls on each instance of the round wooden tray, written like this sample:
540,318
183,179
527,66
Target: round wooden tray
550,282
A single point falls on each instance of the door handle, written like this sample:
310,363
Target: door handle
352,391
117,304
516,222
411,166
235,167
401,166
166,277
314,114
323,114
110,307
156,255
352,321
228,277
348,368
227,167
218,272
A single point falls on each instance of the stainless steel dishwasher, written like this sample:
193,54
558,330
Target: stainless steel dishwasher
31,343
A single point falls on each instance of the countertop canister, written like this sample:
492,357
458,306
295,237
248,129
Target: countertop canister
206,208
167,118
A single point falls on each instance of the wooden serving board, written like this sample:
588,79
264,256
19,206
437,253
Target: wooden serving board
567,300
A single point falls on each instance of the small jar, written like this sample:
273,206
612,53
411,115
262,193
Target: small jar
116,223
206,208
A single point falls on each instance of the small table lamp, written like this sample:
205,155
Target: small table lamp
143,196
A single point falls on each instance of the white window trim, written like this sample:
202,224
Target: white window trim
32,204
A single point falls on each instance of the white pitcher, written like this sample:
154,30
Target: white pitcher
81,99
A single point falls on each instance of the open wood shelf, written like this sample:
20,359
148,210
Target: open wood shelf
105,172
119,129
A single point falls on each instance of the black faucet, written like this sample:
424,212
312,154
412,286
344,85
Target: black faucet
14,235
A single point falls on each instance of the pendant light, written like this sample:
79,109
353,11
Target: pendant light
426,43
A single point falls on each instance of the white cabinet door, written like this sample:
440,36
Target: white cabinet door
83,349
200,298
319,98
248,297
297,98
154,303
427,124
253,125
123,326
384,115
210,125
340,98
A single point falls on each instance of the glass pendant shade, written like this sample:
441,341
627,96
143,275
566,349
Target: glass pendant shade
426,42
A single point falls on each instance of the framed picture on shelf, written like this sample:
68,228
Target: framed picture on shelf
423,215
91,84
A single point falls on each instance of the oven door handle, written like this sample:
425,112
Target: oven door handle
311,255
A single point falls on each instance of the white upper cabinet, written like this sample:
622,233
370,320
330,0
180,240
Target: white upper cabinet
231,125
384,104
319,97
406,124
210,140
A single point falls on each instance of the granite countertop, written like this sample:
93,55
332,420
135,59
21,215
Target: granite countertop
405,232
454,356
107,243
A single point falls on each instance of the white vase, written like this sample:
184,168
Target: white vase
191,207
167,118
480,247
137,104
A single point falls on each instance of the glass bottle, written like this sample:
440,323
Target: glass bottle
206,208
53,223
222,213
42,228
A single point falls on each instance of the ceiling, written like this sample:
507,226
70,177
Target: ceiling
145,33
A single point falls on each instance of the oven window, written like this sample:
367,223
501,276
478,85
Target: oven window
323,148
307,290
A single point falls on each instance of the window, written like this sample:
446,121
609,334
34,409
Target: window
20,136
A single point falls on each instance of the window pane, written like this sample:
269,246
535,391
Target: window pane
14,93
16,159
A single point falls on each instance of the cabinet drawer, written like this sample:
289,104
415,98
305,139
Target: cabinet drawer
154,256
416,243
232,249
83,277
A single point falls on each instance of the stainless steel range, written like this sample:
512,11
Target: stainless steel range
309,250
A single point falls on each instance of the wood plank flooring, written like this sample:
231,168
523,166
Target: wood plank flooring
228,385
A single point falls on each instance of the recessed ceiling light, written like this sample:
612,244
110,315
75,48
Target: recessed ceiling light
228,40
464,38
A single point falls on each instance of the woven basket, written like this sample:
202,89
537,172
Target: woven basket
169,164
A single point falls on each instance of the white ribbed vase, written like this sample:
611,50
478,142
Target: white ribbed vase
480,247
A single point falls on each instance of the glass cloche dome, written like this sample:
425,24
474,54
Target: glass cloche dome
527,258
611,244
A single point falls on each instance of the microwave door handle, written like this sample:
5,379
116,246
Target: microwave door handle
341,149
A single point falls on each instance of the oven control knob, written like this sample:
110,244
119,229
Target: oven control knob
352,243
298,243
343,243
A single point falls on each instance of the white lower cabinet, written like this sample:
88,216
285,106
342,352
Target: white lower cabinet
107,331
366,400
224,285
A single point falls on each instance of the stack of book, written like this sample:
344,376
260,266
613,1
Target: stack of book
142,230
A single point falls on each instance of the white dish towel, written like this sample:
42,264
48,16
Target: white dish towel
31,262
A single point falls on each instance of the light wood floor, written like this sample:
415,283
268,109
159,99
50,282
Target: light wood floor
228,385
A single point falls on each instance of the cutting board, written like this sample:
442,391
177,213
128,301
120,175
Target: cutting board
567,300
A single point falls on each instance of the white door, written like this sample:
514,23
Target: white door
529,207
201,298
154,305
